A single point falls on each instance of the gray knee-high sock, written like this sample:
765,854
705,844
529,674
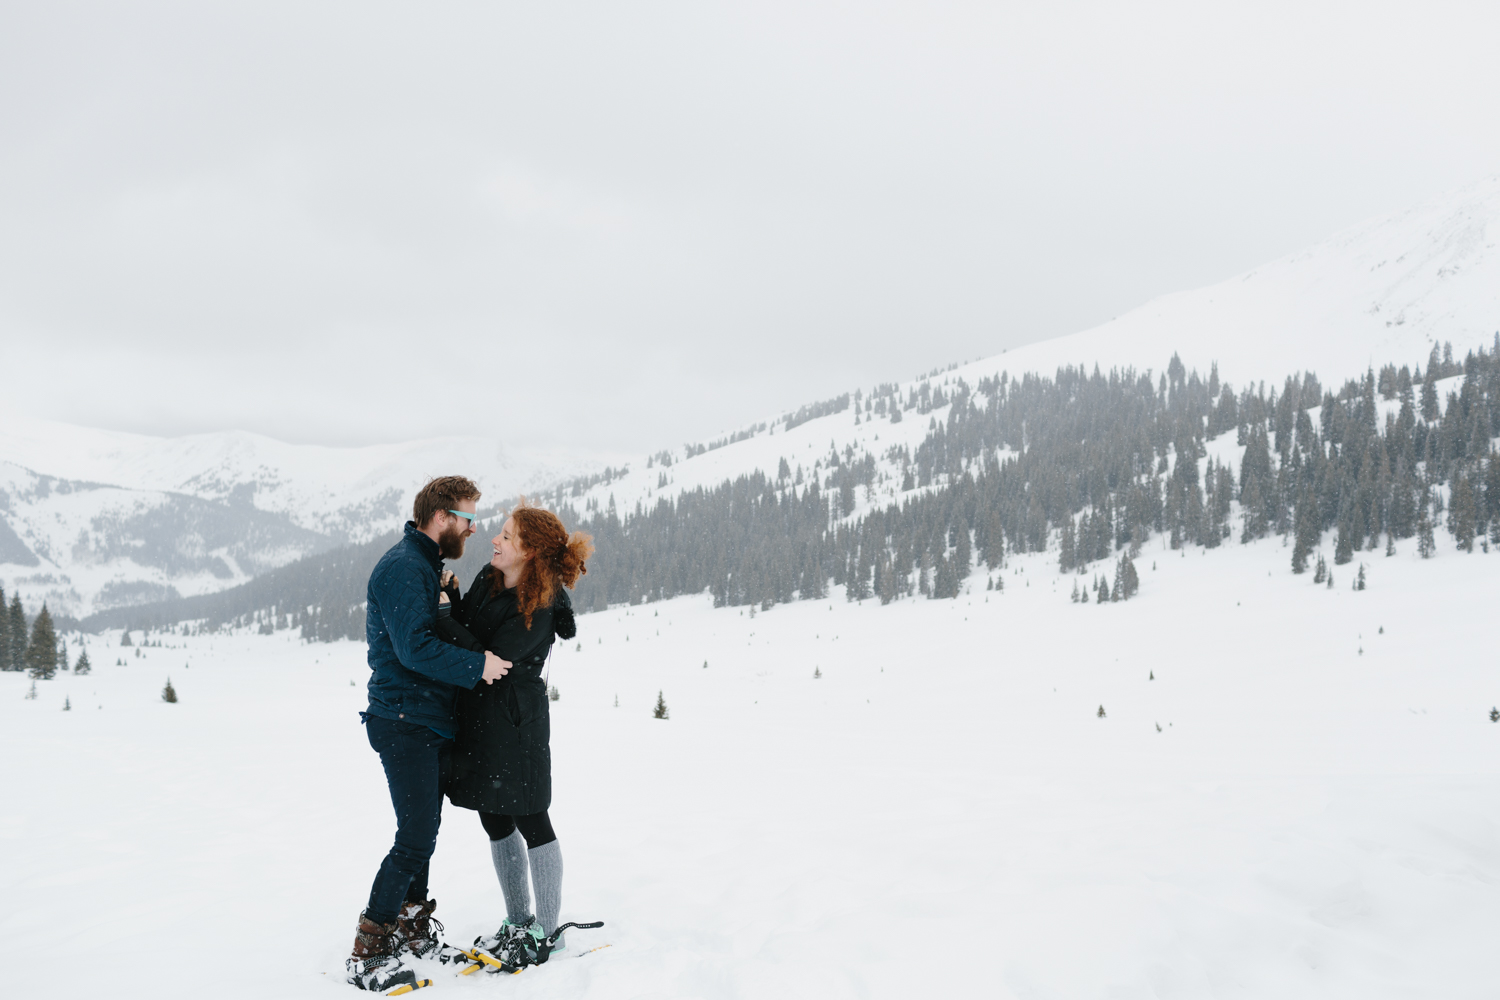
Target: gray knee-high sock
546,879
512,867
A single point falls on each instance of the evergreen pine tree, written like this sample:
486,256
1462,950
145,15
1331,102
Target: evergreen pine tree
1429,397
1464,513
1343,548
1359,581
885,578
1067,556
41,654
169,693
17,634
963,558
5,658
1426,543
944,580
125,638
660,711
83,667
67,704
1304,529
1128,580
1321,573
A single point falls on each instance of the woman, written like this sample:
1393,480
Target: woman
502,764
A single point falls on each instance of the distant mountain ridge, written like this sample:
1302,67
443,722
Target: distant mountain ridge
92,519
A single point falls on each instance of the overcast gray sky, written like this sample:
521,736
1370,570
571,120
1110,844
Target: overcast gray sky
629,225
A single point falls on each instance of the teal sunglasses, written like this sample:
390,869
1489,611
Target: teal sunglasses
470,517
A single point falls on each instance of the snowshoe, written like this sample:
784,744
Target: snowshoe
512,947
515,946
383,974
375,965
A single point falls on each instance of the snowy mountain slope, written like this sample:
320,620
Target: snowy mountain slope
1383,292
95,519
97,546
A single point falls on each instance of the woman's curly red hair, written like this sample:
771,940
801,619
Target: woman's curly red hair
553,557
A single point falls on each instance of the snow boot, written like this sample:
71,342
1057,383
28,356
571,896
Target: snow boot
374,964
514,944
420,933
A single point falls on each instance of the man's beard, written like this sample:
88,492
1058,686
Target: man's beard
451,542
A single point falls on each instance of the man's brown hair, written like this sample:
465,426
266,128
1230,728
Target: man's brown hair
440,494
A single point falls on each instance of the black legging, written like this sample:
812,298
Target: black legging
536,828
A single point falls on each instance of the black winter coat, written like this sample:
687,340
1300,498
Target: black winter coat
502,762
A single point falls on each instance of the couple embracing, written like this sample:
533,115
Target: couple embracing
458,707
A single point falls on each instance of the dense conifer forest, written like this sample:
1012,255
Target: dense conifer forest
1087,465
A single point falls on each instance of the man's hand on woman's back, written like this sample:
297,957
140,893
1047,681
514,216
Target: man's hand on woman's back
494,667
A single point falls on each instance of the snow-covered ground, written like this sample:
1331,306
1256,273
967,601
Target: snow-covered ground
1304,802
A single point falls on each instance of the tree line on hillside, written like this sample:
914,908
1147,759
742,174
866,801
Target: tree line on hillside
1086,464
1090,463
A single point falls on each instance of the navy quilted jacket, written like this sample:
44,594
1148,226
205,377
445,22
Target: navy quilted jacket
415,676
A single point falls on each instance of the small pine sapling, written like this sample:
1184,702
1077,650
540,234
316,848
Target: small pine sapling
83,668
67,704
660,711
817,674
705,664
617,701
31,695
553,694
1101,712
1495,714
1359,581
169,693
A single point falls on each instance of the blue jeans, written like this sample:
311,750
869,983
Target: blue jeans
416,762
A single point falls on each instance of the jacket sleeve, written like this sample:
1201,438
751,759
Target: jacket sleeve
563,622
449,629
410,611
455,599
513,641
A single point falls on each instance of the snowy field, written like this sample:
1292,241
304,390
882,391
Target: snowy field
1304,802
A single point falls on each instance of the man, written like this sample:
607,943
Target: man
414,681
